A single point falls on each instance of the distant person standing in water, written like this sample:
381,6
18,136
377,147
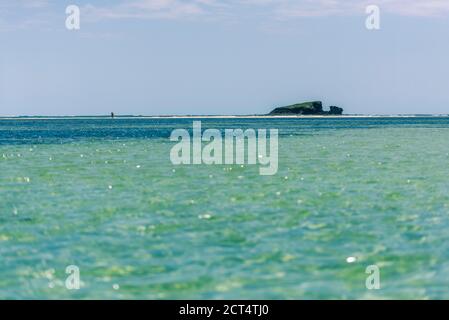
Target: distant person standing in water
112,115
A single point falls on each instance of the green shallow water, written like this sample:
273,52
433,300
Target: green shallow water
104,196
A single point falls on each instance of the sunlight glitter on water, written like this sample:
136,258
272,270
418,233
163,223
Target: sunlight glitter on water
204,232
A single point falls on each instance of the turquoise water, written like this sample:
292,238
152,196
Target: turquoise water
103,195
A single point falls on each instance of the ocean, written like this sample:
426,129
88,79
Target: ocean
102,195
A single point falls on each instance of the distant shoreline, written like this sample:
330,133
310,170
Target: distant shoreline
118,117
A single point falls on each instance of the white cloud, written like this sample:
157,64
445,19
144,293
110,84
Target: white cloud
25,13
24,4
33,3
417,8
150,9
170,9
310,8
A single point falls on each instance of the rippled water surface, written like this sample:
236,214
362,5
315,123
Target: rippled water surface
103,195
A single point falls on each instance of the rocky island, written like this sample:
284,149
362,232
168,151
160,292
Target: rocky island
306,108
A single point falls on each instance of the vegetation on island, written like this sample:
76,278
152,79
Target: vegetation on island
307,108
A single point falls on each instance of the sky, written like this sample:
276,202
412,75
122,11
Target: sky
201,57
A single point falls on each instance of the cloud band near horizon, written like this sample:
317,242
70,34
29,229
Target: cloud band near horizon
277,9
222,9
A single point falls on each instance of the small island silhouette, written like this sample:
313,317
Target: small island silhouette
306,108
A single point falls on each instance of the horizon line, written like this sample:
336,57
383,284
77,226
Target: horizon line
124,116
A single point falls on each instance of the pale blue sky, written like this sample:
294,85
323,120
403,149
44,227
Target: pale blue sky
222,57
